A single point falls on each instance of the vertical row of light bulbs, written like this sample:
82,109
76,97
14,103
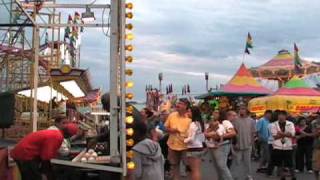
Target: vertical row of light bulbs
129,84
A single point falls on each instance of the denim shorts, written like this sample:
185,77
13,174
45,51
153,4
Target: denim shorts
195,154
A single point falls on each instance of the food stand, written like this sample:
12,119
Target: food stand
295,97
67,84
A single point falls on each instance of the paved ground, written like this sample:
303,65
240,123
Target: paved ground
209,173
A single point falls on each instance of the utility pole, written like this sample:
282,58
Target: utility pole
160,77
206,77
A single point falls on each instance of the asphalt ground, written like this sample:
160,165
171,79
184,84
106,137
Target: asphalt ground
208,172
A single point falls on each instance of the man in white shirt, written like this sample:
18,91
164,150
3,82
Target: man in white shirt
283,131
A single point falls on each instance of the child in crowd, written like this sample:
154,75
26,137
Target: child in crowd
214,128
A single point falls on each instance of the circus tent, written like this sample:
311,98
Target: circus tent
241,84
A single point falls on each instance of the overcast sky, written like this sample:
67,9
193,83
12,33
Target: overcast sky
185,38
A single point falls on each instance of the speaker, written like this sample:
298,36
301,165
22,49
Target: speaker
7,109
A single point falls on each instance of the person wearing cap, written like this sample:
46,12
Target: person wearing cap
34,152
59,123
177,125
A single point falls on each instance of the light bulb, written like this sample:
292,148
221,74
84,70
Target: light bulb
131,165
129,84
130,132
129,15
129,72
129,5
130,110
129,47
129,119
129,96
129,26
129,36
130,154
130,142
129,59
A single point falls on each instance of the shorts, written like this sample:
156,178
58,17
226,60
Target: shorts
194,154
316,160
175,157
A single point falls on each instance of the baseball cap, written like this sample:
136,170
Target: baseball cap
72,128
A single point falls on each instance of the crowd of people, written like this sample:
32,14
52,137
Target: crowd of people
288,142
283,144
176,138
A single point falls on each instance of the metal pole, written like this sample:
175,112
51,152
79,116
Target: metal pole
68,6
62,25
160,77
206,75
36,39
114,58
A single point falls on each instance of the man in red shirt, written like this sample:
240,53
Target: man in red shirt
34,152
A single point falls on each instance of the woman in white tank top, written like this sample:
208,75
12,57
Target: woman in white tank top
194,142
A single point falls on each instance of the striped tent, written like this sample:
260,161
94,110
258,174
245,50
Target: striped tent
244,83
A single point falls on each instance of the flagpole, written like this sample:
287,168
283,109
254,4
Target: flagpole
244,54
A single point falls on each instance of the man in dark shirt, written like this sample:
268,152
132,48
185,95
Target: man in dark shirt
304,141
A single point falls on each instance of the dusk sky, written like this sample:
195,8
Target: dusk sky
185,38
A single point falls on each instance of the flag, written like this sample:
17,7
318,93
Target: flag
248,44
70,19
67,32
76,16
297,60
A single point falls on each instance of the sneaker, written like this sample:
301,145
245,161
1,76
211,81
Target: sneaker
296,171
310,171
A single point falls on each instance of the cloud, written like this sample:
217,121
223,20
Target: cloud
185,38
